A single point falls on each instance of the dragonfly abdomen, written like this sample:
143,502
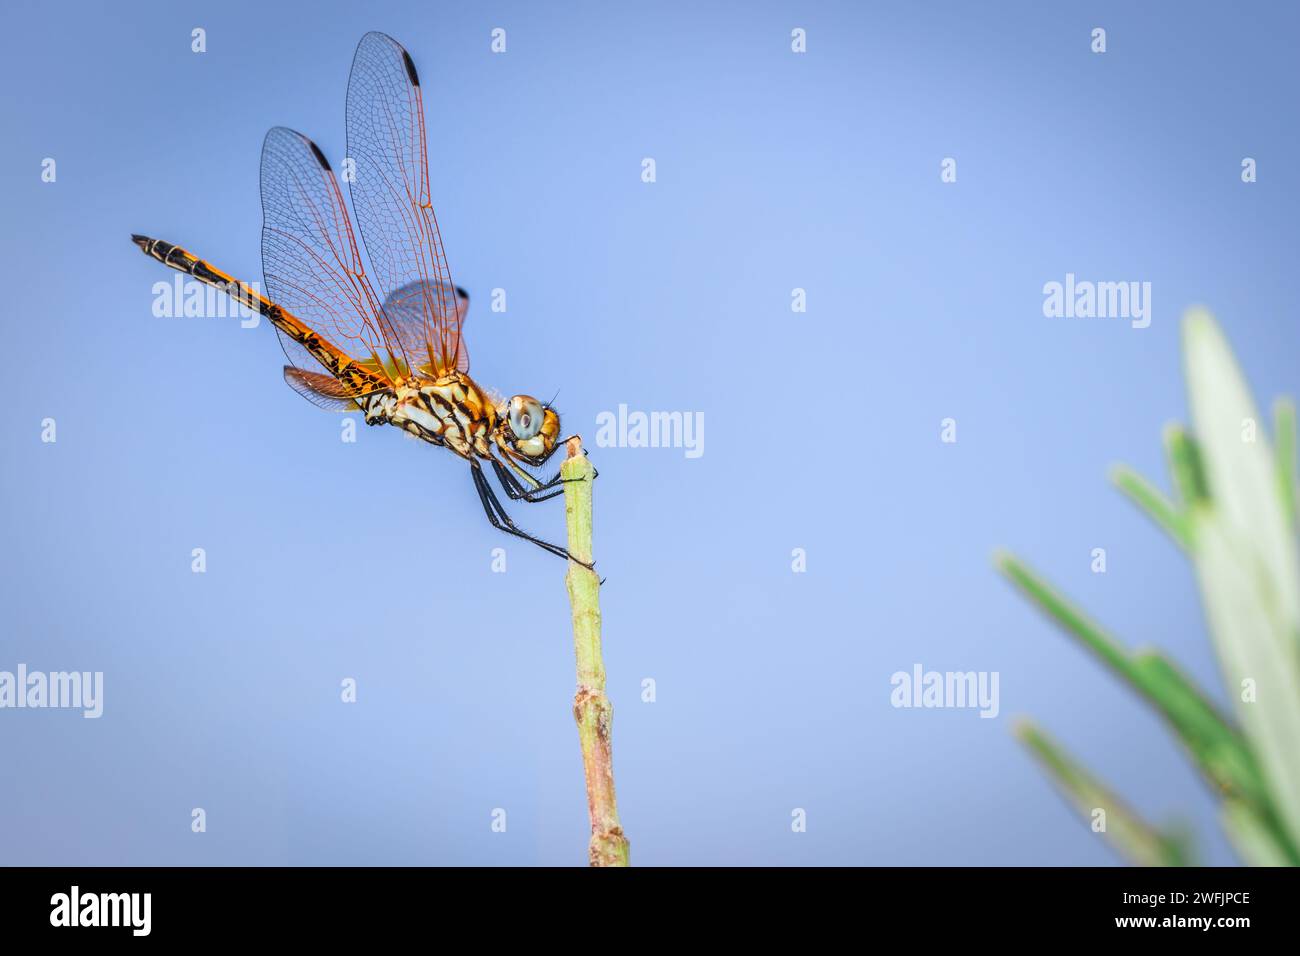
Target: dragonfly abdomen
355,378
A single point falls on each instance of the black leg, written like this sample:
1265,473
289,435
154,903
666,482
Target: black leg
501,521
516,490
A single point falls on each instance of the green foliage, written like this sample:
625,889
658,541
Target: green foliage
1234,515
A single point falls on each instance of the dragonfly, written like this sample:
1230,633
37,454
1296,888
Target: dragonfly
400,357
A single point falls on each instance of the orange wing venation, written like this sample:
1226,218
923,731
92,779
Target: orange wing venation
390,196
323,391
312,264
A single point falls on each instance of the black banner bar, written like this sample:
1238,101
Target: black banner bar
239,904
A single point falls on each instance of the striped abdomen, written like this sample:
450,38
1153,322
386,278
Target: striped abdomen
357,379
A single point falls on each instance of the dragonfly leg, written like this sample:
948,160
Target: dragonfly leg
516,490
501,521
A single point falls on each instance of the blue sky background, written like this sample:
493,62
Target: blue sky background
372,560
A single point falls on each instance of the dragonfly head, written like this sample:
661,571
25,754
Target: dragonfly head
527,429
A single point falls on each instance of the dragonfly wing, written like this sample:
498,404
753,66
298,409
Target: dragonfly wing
311,261
406,308
323,391
390,195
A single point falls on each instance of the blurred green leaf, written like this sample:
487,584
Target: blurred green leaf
1247,564
1185,466
1056,606
1151,500
1138,840
1219,750
1284,437
1252,838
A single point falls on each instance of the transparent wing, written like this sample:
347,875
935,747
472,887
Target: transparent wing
390,195
311,261
406,308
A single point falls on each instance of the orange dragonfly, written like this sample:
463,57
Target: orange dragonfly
399,358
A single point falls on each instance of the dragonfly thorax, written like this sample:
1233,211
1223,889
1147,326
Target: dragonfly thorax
450,410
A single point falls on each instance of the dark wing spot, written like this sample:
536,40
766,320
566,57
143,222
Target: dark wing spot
320,157
410,68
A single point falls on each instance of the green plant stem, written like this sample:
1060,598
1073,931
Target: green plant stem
591,708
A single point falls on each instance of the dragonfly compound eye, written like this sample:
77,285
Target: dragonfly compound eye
525,417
